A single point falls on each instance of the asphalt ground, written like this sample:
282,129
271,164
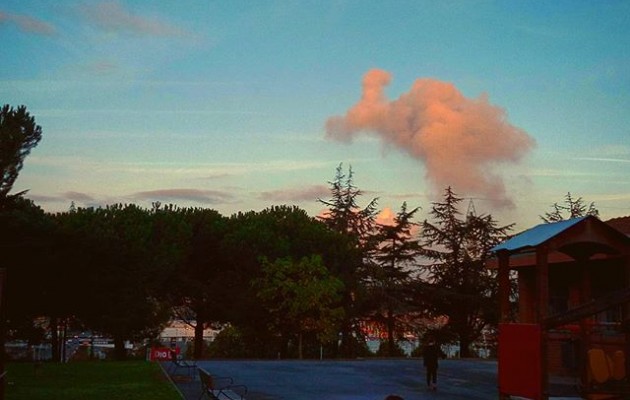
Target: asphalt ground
367,379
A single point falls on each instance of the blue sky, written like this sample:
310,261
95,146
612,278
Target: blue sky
224,104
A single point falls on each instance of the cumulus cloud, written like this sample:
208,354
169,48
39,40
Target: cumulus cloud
310,193
27,24
111,16
386,217
459,140
196,195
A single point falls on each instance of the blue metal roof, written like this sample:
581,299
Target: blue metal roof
536,235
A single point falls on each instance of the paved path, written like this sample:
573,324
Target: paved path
369,379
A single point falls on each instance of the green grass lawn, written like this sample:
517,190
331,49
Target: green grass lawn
89,380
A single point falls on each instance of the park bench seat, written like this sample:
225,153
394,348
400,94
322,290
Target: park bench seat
220,387
177,365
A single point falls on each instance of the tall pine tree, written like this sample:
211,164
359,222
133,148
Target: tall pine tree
356,226
396,259
456,247
572,208
19,134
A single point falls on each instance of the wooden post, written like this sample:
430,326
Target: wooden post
504,297
3,331
504,286
626,307
585,330
542,283
542,288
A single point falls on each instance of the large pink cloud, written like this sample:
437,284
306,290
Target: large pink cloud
461,141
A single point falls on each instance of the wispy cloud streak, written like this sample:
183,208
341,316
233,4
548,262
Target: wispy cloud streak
111,16
310,193
28,24
603,159
78,196
196,195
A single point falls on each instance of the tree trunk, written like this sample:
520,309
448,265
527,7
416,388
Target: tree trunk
283,349
199,344
62,341
347,347
54,338
120,353
300,354
464,346
391,342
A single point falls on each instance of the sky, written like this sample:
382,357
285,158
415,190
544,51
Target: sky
240,105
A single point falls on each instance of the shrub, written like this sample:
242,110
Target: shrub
383,351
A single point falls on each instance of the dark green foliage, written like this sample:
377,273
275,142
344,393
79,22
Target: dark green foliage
275,233
200,289
19,134
301,297
386,350
358,346
27,241
356,228
395,260
229,343
460,285
287,284
235,342
572,208
119,258
344,214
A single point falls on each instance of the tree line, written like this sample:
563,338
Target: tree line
290,283
283,283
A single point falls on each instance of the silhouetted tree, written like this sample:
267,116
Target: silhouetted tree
571,208
200,289
18,135
396,258
122,274
27,246
463,289
357,226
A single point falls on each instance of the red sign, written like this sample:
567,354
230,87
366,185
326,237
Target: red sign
161,353
520,366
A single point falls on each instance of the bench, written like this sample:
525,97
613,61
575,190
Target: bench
220,387
177,364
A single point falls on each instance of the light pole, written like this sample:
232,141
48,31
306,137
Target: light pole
3,330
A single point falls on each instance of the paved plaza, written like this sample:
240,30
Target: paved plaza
368,379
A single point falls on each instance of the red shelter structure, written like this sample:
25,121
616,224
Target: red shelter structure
564,293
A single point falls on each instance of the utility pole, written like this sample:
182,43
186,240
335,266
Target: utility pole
3,330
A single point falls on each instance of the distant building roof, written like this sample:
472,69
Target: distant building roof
622,224
536,235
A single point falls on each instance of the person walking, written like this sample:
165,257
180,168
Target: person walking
430,354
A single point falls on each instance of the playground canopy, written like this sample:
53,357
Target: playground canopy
564,292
